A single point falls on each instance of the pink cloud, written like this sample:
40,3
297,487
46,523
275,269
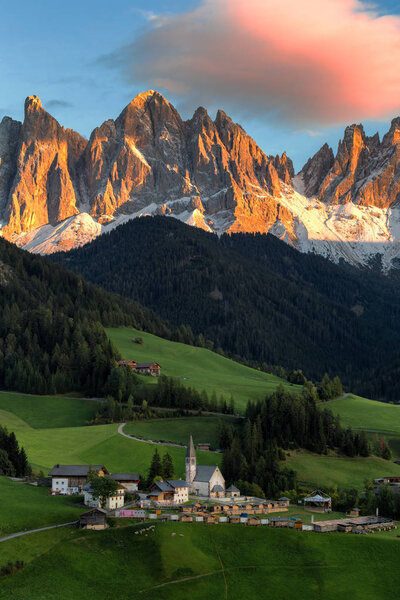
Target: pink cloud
308,61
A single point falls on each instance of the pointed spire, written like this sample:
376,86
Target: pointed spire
190,452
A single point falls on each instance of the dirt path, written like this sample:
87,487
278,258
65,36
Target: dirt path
137,439
15,535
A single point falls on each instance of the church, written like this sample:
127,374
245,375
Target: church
203,480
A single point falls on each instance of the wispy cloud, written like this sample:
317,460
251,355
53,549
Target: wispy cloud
310,62
58,104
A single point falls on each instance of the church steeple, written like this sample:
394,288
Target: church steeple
190,463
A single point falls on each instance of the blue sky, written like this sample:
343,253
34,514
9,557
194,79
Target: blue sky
55,50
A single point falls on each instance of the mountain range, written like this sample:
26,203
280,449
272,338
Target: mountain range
59,191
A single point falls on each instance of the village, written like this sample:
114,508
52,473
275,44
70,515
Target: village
201,497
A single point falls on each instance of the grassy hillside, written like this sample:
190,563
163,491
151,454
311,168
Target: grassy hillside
197,367
48,411
319,470
203,429
101,444
377,418
361,413
202,561
26,507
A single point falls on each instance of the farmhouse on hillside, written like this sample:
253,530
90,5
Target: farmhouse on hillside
70,479
203,480
171,491
130,481
146,368
113,502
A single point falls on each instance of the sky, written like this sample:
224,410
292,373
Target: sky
293,73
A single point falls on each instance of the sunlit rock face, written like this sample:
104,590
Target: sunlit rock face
59,191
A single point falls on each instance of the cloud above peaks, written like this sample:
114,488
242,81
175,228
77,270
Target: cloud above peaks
307,62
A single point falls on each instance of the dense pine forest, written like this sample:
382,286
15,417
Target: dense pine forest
51,326
255,297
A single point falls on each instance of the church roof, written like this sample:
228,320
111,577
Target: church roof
190,452
217,488
232,488
204,472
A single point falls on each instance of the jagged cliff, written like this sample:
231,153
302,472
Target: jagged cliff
58,190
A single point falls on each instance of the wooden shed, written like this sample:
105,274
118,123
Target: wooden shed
253,521
216,508
93,519
211,519
186,518
234,519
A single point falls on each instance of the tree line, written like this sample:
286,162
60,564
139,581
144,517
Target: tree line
13,459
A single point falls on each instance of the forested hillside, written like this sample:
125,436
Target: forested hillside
256,297
51,326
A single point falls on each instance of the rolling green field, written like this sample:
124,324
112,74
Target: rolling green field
376,418
24,506
100,444
48,411
371,415
319,470
197,367
202,561
203,429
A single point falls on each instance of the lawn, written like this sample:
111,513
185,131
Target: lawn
48,411
100,444
203,429
319,470
202,561
24,506
197,367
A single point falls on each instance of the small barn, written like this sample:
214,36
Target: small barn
186,518
211,519
253,521
93,519
127,363
205,446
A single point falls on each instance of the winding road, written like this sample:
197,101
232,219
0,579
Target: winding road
157,443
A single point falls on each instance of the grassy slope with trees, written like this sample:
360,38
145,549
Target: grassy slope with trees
100,444
202,561
196,367
256,297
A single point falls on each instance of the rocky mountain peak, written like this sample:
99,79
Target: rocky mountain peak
32,104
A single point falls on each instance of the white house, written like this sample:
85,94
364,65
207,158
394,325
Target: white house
112,503
69,479
130,481
204,480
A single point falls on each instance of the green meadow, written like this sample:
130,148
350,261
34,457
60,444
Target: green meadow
48,411
378,419
197,367
24,507
203,429
319,470
370,415
201,561
100,444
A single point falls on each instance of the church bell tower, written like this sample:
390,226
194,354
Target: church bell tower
190,463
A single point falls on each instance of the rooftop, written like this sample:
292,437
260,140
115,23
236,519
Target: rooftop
73,470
